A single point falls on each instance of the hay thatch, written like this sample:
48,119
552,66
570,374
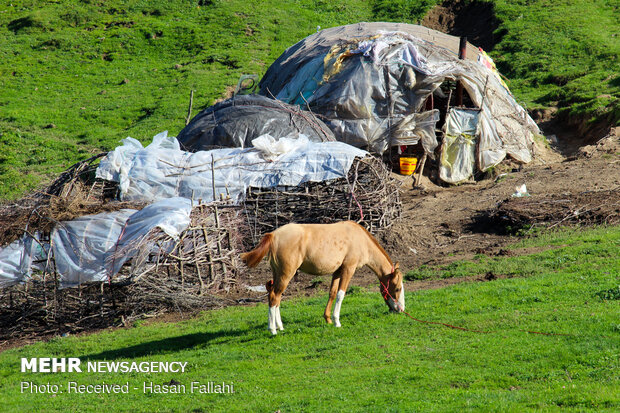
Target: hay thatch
368,195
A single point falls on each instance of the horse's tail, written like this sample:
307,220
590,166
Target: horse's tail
252,258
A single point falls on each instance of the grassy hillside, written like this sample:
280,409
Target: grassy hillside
564,54
78,76
377,361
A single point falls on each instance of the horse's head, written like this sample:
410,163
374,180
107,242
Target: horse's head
393,290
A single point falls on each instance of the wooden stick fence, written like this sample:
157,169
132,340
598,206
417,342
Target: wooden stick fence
184,274
368,195
165,274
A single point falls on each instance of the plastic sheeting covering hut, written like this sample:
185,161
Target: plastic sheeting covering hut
236,122
373,85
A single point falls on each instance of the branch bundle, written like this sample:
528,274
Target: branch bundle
73,194
38,307
583,208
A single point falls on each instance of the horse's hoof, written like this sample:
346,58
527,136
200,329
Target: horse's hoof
337,324
274,332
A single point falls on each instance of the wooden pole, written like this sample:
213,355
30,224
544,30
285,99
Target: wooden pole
420,170
213,177
189,111
462,56
219,243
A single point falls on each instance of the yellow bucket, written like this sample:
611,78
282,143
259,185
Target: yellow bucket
407,165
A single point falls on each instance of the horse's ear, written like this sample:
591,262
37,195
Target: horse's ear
396,266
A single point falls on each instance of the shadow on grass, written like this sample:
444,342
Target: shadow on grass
166,345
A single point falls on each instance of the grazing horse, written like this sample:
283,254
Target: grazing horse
321,249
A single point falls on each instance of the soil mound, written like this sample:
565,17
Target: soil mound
474,19
609,145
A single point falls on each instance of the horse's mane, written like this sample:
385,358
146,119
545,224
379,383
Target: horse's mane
374,240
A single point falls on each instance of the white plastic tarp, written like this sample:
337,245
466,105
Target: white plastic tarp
417,127
19,258
94,247
11,263
159,171
80,247
170,215
458,152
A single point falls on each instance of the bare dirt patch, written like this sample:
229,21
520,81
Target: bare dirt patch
442,224
569,135
474,19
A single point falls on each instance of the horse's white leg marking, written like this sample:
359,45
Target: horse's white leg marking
401,299
337,306
279,319
272,319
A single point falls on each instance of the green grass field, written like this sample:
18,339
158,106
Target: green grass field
78,76
378,361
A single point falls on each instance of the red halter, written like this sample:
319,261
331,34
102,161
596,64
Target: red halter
385,291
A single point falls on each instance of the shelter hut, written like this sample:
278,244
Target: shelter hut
236,122
384,85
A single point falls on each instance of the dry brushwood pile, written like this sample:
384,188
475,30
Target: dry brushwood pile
72,195
368,195
184,274
181,275
39,308
582,208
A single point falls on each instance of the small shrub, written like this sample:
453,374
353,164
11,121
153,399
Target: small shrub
421,273
611,294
